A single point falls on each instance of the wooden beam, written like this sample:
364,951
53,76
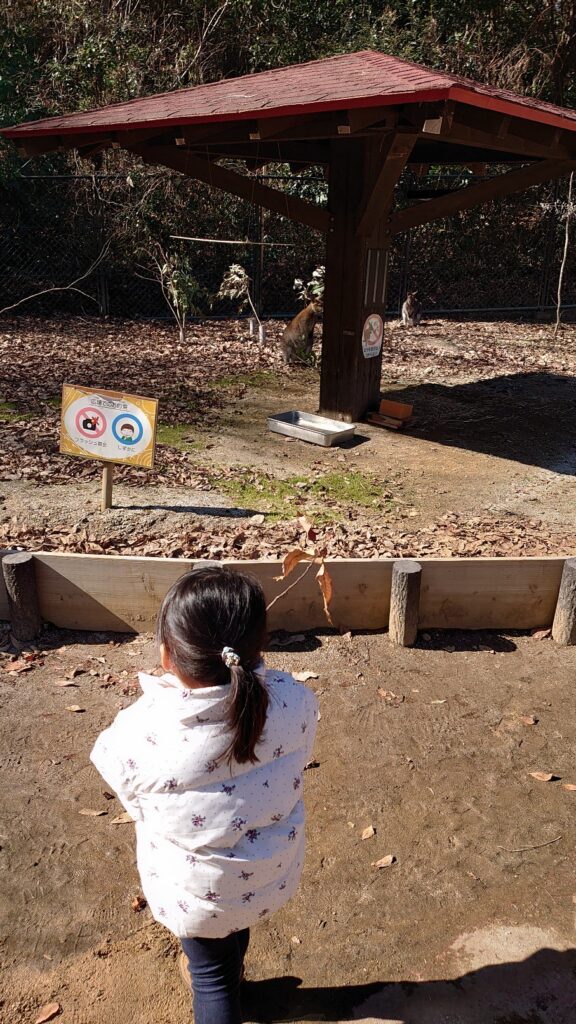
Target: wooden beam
428,151
395,152
99,592
473,195
236,184
272,152
510,135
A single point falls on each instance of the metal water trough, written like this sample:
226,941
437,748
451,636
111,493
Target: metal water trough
308,427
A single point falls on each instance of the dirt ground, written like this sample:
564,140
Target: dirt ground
487,466
433,747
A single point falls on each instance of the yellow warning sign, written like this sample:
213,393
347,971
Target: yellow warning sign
108,425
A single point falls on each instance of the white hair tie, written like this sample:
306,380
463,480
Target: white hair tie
229,657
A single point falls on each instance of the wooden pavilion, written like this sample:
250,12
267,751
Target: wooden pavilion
362,117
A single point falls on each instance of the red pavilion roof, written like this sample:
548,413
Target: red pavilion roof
361,79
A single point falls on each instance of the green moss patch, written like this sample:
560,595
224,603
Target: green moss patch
178,436
324,496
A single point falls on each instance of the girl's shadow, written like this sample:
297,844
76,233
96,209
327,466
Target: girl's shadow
538,990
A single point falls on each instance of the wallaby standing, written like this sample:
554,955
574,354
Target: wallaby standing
411,310
298,337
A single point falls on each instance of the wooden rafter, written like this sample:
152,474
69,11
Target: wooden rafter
505,134
236,184
473,195
396,152
267,152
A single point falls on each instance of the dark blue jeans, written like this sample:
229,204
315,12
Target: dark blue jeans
216,969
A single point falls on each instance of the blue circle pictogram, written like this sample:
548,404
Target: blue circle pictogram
124,430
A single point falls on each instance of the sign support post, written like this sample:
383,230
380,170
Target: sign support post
107,478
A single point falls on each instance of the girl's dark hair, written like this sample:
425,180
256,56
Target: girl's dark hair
206,610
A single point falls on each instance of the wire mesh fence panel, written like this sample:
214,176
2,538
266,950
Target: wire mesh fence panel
501,256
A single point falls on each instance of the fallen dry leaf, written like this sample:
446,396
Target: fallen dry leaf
528,719
65,682
368,832
384,862
122,819
543,776
90,813
303,677
47,1012
311,764
139,903
443,701
75,707
569,786
258,519
19,666
107,795
540,634
392,699
347,636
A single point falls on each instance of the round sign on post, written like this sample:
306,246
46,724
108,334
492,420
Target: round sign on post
372,334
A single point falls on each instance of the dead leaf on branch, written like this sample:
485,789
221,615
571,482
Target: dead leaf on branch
315,557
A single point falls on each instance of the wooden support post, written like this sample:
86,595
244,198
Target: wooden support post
564,625
404,602
107,478
349,383
20,579
363,174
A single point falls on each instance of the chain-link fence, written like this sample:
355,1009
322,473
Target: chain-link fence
500,257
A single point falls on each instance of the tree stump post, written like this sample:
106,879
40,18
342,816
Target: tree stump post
404,602
564,625
20,580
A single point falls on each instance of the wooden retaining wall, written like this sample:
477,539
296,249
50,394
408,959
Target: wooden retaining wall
107,592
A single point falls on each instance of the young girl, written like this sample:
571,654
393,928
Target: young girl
209,764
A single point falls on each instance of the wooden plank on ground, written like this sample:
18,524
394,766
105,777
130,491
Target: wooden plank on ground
489,593
107,592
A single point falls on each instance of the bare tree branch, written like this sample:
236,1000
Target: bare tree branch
65,287
565,254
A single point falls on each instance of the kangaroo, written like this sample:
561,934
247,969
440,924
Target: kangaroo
411,310
298,337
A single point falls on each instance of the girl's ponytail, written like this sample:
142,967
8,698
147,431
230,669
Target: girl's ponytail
246,715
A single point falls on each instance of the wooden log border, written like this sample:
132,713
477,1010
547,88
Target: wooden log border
123,594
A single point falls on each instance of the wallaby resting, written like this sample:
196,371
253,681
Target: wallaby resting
298,338
411,310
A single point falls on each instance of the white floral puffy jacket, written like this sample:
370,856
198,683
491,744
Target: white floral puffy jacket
218,846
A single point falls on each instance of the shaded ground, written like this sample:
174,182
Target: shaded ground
433,747
487,466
